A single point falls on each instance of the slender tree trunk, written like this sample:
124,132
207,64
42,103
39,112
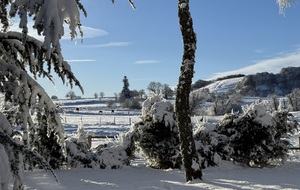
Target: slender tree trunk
190,157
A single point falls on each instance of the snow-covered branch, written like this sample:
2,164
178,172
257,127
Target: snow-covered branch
49,17
33,54
130,2
19,88
283,4
7,141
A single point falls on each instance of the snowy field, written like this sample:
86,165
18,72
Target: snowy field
138,176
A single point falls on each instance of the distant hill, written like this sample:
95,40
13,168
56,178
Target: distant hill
259,84
222,86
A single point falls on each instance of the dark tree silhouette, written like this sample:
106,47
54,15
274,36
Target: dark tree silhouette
125,91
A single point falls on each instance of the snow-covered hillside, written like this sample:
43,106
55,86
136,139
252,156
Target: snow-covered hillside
222,86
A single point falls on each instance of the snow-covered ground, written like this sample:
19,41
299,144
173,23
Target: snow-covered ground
140,177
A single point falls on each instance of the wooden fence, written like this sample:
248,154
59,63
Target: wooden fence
101,121
89,138
104,137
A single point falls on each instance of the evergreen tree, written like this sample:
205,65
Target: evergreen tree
211,146
258,138
125,93
24,59
157,135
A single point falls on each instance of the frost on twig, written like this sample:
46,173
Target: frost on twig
130,1
283,4
20,89
34,57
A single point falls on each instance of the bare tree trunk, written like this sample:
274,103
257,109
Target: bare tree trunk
190,157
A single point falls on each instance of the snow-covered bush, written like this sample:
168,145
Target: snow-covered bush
16,151
132,103
79,154
294,100
157,135
47,143
257,137
117,153
225,103
211,146
113,154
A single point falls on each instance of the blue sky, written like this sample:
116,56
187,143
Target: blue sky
234,36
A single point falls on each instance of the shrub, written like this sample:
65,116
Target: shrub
132,104
258,138
157,135
211,146
113,154
54,97
111,103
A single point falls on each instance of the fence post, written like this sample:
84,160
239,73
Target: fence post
114,120
129,121
90,141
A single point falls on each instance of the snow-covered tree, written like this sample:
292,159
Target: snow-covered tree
197,100
101,94
190,157
167,92
142,93
294,100
188,151
211,146
125,93
274,103
154,87
71,94
225,103
258,138
157,134
23,59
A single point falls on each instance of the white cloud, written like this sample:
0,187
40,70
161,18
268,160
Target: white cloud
147,61
111,44
88,32
272,65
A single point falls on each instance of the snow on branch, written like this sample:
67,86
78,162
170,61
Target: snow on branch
130,2
49,17
6,140
283,4
3,16
32,53
19,88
